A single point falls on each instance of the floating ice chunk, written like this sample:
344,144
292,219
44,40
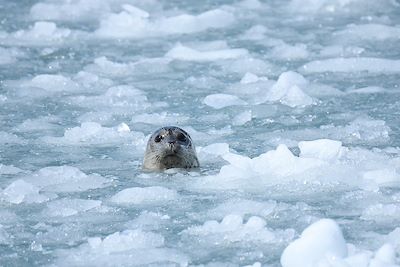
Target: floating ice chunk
160,119
186,53
126,240
288,90
136,12
123,127
68,207
251,78
385,256
106,67
248,64
219,101
42,124
149,221
367,90
233,229
134,23
9,55
296,97
256,32
382,177
127,248
65,179
69,10
251,4
323,239
337,6
243,207
90,81
360,129
242,118
369,64
217,149
369,32
290,52
147,195
21,191
341,51
275,166
382,212
52,82
117,99
324,149
90,133
9,169
41,33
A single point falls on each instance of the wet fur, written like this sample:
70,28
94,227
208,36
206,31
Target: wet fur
163,155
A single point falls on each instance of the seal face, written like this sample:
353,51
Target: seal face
170,147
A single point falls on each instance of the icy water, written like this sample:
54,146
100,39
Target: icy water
293,106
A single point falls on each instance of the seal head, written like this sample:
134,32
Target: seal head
170,147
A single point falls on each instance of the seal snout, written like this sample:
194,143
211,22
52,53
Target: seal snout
170,147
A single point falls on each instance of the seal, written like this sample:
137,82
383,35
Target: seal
170,147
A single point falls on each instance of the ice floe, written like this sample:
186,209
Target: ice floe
369,64
134,22
145,196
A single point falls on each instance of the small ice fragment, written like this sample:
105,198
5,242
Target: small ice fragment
385,256
146,195
242,118
218,149
323,239
123,127
287,90
249,78
324,149
21,191
354,64
69,207
190,54
219,101
136,12
382,176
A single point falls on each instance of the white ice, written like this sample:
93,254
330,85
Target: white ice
145,196
134,22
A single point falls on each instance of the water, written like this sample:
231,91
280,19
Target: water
83,84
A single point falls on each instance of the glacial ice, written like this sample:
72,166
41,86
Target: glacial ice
369,64
292,105
134,22
144,196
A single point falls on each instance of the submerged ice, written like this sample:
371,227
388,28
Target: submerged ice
292,105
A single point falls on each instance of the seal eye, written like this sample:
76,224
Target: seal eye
158,138
181,137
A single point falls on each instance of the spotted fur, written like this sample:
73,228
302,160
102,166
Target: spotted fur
170,147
